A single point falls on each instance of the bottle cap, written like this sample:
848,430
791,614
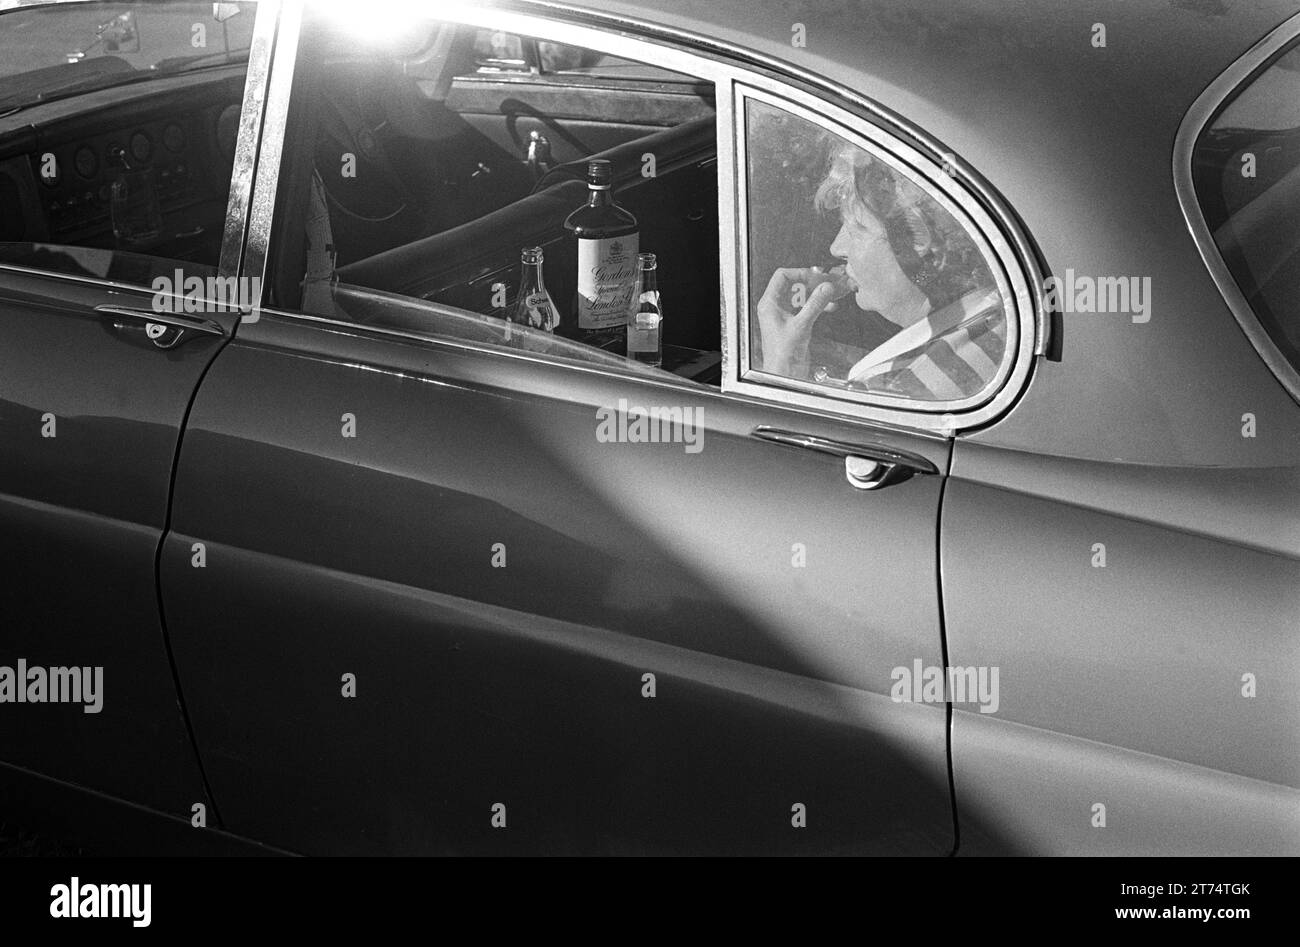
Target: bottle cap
531,255
600,173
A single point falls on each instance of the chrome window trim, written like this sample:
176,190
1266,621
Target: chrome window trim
564,24
64,3
265,172
938,186
134,289
249,140
664,380
246,148
1207,104
75,277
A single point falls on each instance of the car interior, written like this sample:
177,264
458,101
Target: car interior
427,157
60,172
117,134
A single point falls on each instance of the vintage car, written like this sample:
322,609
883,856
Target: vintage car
960,514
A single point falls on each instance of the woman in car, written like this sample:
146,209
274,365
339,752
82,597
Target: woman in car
906,259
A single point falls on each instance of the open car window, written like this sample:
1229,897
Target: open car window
400,185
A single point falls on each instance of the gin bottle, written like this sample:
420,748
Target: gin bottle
608,239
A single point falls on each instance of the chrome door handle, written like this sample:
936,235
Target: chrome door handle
866,466
165,330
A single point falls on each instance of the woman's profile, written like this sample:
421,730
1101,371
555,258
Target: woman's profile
904,258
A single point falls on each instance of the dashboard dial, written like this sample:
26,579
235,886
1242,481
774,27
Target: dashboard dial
174,138
86,163
141,147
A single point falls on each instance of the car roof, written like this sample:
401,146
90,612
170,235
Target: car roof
1079,141
996,65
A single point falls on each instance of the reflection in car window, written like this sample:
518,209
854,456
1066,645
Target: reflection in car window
1246,169
54,50
496,51
868,283
496,45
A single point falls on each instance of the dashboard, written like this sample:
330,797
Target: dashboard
176,147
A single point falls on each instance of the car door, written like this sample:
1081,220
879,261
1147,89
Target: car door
1140,509
455,596
101,355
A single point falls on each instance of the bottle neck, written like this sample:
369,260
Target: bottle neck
599,197
532,277
649,281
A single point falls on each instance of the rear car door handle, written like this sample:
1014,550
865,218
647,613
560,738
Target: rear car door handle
866,466
165,330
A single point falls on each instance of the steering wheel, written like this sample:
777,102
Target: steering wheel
344,122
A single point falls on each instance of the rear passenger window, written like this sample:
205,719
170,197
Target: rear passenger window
1246,169
873,286
418,177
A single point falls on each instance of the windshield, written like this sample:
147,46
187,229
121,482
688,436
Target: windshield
53,50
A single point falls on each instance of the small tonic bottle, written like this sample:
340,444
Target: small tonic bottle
645,341
607,238
533,305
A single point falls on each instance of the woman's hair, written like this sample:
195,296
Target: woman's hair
933,250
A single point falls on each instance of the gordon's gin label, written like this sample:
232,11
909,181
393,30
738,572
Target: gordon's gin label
607,281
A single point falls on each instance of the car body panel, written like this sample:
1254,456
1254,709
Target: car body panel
523,684
82,512
1041,788
1157,608
86,497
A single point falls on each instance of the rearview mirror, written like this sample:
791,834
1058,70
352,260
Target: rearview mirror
120,34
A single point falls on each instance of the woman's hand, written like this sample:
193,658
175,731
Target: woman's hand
785,333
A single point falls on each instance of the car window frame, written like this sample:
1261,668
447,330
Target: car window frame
235,226
1207,107
909,162
727,68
